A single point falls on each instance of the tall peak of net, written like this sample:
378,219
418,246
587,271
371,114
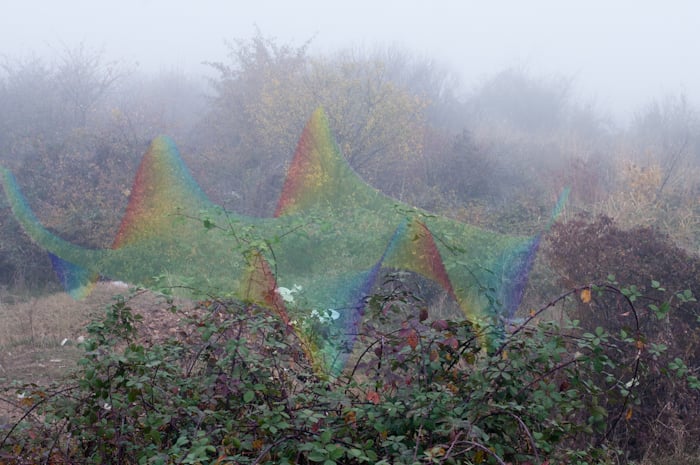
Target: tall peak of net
318,169
162,188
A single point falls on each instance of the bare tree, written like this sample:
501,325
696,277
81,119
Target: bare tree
669,130
522,101
84,77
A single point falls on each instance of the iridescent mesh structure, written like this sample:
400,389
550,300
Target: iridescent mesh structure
314,263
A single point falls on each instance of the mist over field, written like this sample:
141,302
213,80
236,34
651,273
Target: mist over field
619,55
479,112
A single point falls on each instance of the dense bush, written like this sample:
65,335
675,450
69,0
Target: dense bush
588,249
235,386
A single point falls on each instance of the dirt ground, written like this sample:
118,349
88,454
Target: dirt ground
39,336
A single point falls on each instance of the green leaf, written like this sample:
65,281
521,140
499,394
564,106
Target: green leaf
248,396
335,452
318,456
326,436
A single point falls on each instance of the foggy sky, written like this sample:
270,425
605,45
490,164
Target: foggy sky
621,54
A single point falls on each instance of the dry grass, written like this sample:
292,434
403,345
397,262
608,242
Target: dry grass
638,202
676,459
39,334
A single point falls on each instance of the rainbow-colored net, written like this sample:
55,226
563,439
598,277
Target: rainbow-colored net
315,263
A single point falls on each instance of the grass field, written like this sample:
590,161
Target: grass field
39,334
33,328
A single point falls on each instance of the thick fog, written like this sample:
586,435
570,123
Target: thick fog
550,147
618,54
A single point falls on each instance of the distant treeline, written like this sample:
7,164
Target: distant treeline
74,128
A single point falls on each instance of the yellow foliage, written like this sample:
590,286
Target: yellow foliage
375,121
639,200
258,444
643,182
586,296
